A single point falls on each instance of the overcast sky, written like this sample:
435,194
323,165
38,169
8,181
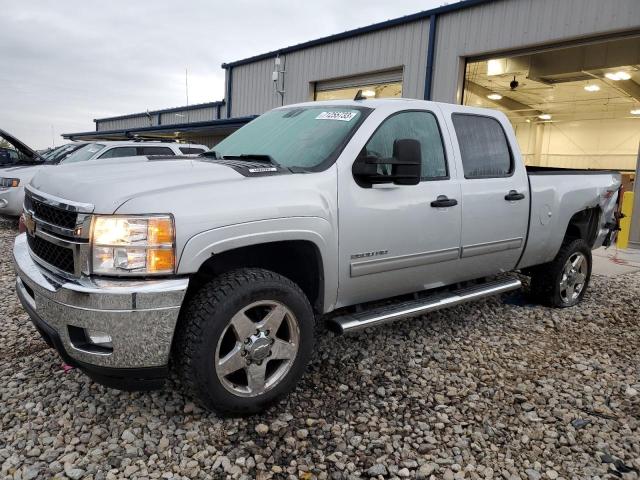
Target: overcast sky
64,63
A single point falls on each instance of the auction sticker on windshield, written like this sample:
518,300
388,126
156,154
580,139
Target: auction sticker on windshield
342,116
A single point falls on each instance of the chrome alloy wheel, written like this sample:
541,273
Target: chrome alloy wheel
257,348
574,275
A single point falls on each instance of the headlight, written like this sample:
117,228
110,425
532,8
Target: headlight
136,245
9,182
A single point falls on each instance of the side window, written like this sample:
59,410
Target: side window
119,152
191,150
421,126
156,151
483,146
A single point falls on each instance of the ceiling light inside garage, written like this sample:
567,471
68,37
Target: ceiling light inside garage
494,96
544,116
592,87
497,66
635,111
616,76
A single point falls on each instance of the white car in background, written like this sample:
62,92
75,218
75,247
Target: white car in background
14,177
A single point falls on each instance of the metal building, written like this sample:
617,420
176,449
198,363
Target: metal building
204,123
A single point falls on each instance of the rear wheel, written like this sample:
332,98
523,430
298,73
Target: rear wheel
564,281
245,340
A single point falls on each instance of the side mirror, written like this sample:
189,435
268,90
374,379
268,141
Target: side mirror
406,165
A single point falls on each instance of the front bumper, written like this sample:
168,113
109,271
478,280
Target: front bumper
139,315
11,201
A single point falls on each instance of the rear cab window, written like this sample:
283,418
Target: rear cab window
484,147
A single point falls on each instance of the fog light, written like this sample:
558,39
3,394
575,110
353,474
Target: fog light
101,339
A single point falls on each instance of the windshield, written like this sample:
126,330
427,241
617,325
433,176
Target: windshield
54,155
302,137
83,154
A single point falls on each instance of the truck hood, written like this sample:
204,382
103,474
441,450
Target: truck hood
109,184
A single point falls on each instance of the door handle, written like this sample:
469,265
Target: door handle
513,195
443,201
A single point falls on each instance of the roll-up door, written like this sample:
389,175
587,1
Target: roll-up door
374,85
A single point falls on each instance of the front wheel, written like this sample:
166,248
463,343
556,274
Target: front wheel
564,281
245,340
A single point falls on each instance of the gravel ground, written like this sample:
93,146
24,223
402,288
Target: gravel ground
495,389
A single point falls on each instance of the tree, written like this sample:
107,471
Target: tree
5,144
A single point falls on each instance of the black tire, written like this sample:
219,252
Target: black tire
206,318
545,279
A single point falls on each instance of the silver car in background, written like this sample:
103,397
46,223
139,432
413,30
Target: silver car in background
16,176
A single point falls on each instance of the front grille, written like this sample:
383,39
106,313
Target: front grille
59,257
54,216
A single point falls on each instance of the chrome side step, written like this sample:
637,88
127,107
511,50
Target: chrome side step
390,313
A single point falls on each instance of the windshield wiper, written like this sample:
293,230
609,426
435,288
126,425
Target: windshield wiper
256,157
248,157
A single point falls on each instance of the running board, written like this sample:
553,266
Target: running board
390,313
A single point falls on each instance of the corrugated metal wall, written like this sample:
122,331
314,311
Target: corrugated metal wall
189,116
172,117
400,46
514,24
138,121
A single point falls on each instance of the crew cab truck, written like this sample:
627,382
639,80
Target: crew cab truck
219,266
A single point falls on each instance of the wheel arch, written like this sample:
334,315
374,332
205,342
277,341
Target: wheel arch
584,225
300,254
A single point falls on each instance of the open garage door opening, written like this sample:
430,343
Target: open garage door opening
386,84
576,107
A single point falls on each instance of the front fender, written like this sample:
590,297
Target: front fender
319,231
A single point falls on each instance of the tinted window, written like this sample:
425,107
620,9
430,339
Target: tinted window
421,126
483,146
191,150
156,151
120,152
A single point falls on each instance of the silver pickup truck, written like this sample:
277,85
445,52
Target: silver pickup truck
220,266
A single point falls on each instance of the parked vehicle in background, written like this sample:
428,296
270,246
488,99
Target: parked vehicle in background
14,178
58,154
225,266
118,149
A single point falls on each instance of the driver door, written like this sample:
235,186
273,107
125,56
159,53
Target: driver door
396,239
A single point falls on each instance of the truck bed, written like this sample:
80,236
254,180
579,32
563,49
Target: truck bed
556,194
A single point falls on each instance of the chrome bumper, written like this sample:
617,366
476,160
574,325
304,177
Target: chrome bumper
139,315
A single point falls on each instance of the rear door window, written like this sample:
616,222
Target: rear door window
155,151
483,146
118,152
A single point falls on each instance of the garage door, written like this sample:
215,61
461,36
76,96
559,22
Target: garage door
373,85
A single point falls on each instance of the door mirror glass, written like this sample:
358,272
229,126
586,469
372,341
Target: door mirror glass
407,164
